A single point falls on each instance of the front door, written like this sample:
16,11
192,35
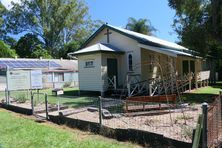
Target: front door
112,68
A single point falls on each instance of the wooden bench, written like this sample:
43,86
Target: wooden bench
142,100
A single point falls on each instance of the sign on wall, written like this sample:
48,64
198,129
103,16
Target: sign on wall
20,80
36,79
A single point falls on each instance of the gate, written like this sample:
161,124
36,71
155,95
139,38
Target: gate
39,102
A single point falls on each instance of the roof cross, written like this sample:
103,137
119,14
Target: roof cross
107,34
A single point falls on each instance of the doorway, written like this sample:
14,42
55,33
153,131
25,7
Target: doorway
112,69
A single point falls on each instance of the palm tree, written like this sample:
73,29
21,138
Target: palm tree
141,26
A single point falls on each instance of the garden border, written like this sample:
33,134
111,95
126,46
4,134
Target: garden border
143,138
16,109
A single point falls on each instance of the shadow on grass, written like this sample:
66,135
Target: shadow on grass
217,85
71,92
198,98
83,103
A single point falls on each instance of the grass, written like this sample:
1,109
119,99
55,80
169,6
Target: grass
70,97
22,132
204,94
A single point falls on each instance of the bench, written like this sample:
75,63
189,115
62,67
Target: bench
138,100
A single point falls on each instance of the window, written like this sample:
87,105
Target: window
58,77
130,62
89,64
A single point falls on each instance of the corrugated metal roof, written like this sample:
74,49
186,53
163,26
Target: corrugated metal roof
152,39
160,45
99,47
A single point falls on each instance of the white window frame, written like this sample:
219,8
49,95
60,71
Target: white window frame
89,64
130,67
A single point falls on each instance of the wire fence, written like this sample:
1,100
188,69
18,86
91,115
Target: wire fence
170,119
214,130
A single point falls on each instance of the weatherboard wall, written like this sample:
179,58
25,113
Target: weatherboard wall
90,77
125,44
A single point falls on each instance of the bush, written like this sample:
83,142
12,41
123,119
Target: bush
21,98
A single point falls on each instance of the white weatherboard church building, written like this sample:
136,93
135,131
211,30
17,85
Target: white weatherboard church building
112,53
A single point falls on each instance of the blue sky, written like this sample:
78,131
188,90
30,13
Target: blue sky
116,12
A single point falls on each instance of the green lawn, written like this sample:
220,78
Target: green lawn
204,94
21,132
70,97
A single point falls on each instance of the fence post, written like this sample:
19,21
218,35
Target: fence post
100,112
204,130
128,88
6,96
150,89
32,102
220,109
46,106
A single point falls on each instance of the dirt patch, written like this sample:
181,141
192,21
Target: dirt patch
177,125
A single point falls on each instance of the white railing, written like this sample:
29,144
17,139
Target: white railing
137,88
203,75
112,82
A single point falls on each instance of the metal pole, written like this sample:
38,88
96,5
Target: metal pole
32,102
8,96
220,107
204,130
100,111
7,71
46,106
58,104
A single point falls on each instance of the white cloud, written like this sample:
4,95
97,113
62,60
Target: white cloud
7,3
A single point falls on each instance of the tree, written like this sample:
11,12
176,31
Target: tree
70,47
5,51
56,22
40,52
27,44
141,26
2,13
198,24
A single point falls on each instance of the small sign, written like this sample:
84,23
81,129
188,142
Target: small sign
60,92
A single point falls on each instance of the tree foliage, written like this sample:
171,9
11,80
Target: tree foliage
198,24
5,51
141,26
56,22
29,46
40,52
2,22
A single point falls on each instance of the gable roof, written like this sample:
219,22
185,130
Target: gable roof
99,47
141,38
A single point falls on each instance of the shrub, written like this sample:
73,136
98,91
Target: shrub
21,98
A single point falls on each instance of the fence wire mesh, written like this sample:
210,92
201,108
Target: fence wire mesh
176,122
21,98
214,123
